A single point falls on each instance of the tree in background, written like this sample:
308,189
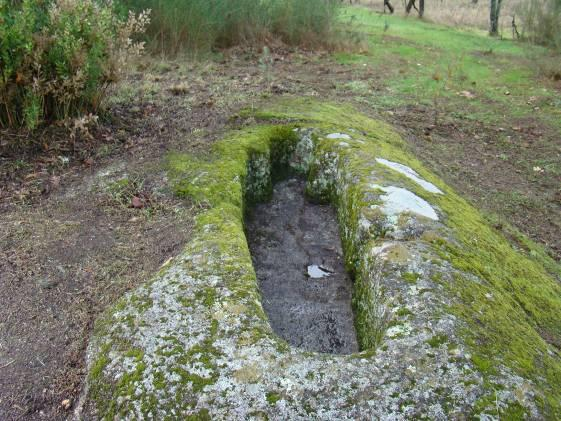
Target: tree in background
541,22
495,10
411,5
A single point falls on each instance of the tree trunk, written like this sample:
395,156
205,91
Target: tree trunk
495,10
388,5
410,4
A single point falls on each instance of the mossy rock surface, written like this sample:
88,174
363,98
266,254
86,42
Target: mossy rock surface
451,319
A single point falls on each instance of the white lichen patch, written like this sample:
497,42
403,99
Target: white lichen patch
398,330
303,154
409,173
338,136
398,200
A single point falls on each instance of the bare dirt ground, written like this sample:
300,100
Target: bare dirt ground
70,244
504,188
82,225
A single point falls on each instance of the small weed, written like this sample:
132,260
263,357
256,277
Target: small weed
513,201
403,311
124,94
179,89
357,86
410,277
106,150
18,164
437,340
266,64
273,398
124,191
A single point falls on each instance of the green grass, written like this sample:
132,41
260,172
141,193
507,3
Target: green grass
437,340
423,63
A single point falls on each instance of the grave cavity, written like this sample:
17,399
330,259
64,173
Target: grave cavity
298,259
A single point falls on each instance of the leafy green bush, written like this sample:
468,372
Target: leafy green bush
57,57
541,21
180,25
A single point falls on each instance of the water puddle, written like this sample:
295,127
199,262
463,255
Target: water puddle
297,255
315,271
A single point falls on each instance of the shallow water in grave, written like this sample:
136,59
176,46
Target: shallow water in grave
297,255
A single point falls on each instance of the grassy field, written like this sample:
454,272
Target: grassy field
484,114
459,13
423,62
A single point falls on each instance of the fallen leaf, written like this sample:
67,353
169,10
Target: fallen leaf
466,94
137,203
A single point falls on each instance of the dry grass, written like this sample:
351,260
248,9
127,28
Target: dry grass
178,26
458,13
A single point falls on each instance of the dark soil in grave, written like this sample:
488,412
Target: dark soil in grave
290,237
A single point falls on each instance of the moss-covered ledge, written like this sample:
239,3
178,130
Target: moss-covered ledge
451,319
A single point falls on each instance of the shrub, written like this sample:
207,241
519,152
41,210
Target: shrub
57,57
199,25
541,20
304,21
